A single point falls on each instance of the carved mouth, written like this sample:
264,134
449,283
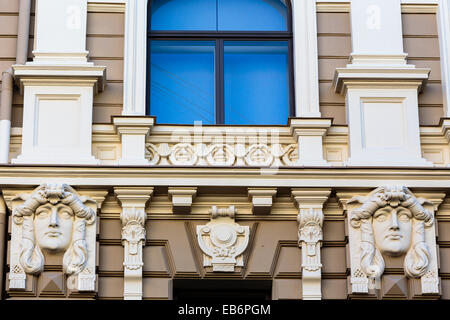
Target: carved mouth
394,236
53,234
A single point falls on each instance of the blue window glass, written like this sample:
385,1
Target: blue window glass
256,82
200,71
183,15
252,15
182,81
218,15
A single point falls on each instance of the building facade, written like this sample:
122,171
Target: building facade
272,149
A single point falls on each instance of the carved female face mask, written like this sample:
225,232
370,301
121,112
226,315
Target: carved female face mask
53,226
392,230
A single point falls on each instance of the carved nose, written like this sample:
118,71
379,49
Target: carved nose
394,220
54,218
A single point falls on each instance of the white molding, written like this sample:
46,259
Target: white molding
135,58
444,43
50,135
5,133
63,41
306,65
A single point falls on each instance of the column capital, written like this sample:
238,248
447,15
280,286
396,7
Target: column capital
309,126
133,196
305,198
138,125
133,131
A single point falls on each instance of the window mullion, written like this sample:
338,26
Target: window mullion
220,103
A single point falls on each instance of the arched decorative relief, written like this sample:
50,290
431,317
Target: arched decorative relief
53,219
222,240
391,222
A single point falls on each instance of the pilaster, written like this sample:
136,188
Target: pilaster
133,217
135,64
381,89
58,87
306,65
310,203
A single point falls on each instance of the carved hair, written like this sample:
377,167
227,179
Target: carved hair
417,258
75,257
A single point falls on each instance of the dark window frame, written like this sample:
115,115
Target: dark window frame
219,37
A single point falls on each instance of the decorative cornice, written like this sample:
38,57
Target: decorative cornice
366,77
203,176
58,75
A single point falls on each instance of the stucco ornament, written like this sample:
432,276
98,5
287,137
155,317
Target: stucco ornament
310,237
392,222
54,219
220,154
222,240
133,237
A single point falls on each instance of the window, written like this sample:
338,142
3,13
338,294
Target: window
220,62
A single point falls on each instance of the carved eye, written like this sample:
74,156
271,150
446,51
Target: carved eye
380,217
65,214
404,216
42,213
